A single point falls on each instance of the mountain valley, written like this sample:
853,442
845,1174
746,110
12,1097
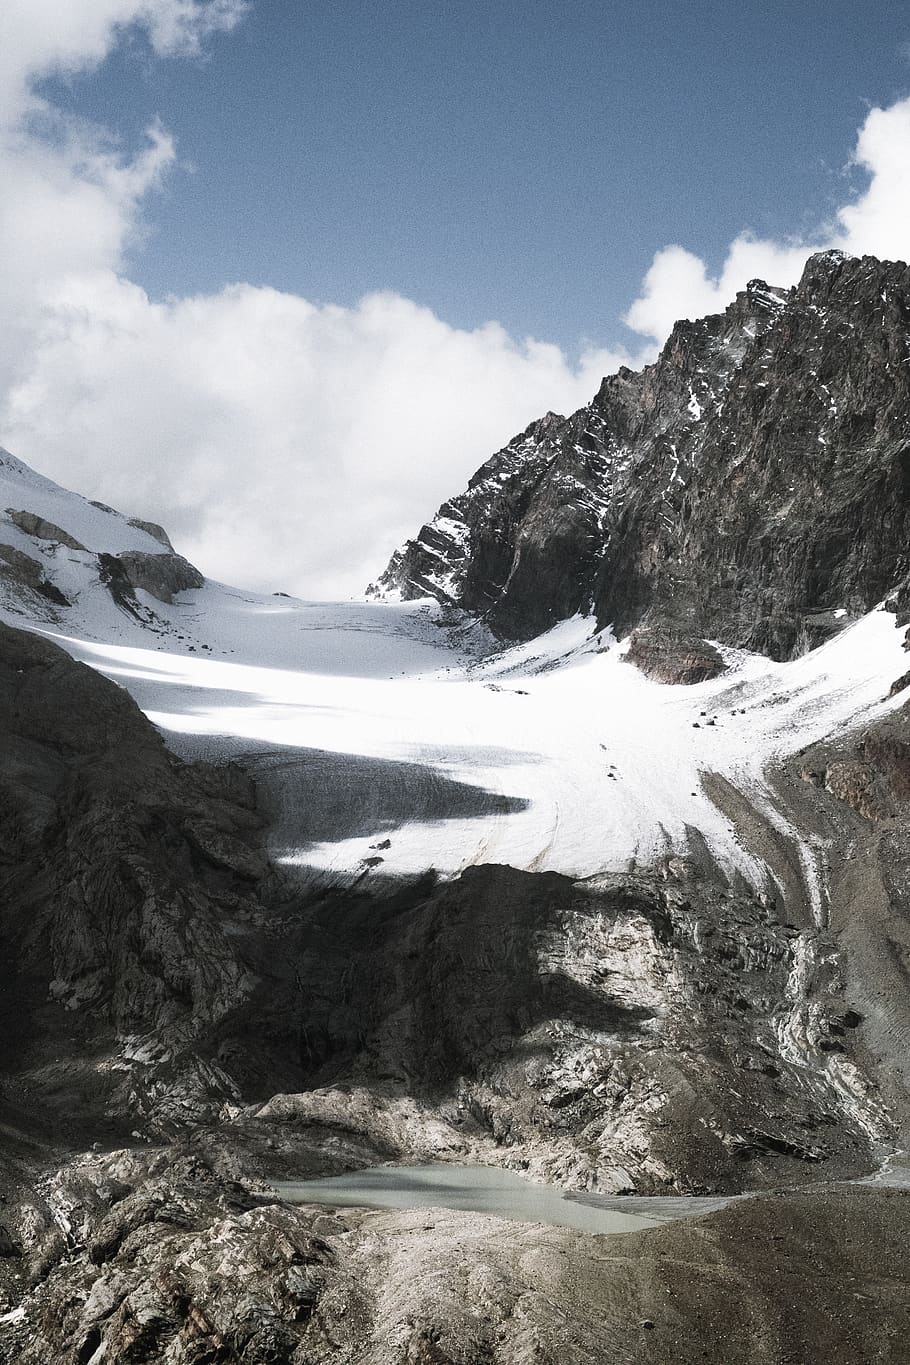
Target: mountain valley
580,848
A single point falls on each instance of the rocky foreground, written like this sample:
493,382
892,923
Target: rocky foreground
182,1023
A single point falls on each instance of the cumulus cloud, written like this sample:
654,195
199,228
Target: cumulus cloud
284,444
59,37
71,201
679,284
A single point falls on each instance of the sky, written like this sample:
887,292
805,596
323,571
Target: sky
282,274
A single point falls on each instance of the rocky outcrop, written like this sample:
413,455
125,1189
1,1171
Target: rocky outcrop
165,1261
852,797
130,906
59,546
36,526
151,528
624,1033
869,771
20,571
668,657
751,486
162,576
464,552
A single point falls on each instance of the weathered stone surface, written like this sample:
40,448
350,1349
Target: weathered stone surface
217,1276
668,657
870,772
128,903
151,528
19,570
160,575
751,486
36,526
632,1023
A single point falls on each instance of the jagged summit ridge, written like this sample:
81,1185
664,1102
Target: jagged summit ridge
749,485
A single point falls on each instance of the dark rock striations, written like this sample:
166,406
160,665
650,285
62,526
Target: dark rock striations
751,486
131,908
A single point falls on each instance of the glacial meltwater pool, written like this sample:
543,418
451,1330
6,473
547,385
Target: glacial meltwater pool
475,1189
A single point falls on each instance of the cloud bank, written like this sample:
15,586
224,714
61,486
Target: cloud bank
284,444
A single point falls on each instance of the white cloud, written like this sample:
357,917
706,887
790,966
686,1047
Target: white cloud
678,284
58,37
878,223
71,200
283,444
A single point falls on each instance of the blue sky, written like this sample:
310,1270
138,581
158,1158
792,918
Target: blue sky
517,161
282,274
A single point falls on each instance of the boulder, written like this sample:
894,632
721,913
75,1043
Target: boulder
161,576
669,657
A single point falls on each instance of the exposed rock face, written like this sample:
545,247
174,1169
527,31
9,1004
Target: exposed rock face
626,1033
42,530
128,904
58,546
160,575
151,528
669,657
751,486
855,796
169,1263
19,571
466,553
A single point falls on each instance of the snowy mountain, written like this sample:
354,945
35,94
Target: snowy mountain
586,856
63,557
510,752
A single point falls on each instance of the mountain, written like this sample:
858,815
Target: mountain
183,1025
587,860
63,557
752,486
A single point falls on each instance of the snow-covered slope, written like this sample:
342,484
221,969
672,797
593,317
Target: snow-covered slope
392,738
68,560
391,751
93,525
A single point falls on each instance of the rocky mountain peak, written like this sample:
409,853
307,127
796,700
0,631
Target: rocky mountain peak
751,485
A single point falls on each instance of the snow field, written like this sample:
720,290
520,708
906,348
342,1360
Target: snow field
604,766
